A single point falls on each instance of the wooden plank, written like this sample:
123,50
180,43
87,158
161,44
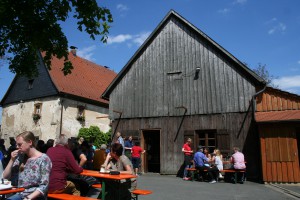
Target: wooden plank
284,172
290,171
263,154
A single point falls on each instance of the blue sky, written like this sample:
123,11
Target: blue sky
254,31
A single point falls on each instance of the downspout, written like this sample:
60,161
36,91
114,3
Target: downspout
61,115
254,100
120,115
185,110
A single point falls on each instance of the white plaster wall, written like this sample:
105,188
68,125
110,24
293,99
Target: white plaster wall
17,118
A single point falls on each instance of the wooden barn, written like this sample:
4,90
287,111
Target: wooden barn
278,118
180,83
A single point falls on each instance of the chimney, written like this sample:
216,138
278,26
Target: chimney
73,50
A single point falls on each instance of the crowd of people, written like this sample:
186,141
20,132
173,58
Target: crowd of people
210,164
55,166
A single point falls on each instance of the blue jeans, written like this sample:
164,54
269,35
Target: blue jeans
15,197
188,164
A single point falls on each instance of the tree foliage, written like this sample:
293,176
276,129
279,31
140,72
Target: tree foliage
263,72
93,134
28,26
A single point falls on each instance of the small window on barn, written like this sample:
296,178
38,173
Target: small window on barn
81,113
207,138
30,84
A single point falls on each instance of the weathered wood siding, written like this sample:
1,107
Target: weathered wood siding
275,100
280,162
148,90
238,126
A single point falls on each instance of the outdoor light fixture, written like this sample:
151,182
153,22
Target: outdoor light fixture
197,73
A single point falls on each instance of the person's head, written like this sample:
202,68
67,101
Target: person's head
85,146
189,141
25,141
116,150
130,138
217,152
12,142
103,146
2,141
80,140
118,134
62,140
236,149
200,148
206,150
50,143
136,143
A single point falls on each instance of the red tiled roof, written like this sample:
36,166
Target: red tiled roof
287,115
87,80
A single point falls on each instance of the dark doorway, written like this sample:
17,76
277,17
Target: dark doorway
151,141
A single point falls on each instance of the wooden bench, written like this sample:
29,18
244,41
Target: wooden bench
235,171
63,196
138,192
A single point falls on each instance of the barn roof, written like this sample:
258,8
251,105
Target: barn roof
253,76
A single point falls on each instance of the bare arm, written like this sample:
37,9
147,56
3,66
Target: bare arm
7,171
83,160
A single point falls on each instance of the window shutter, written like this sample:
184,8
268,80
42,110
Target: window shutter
223,141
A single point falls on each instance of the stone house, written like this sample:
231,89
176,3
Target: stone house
52,104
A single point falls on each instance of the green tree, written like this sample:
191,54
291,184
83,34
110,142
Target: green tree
93,134
28,26
263,72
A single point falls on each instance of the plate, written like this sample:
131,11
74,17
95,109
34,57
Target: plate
5,187
107,172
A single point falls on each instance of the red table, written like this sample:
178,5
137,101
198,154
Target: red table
106,176
10,191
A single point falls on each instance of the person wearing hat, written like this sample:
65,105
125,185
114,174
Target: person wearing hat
200,161
188,158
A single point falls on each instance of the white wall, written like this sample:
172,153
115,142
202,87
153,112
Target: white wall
17,118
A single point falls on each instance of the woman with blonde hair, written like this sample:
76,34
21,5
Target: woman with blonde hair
218,160
31,167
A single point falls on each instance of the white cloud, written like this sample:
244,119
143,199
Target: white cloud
122,7
240,2
298,62
136,39
118,39
276,26
140,38
288,82
224,11
87,52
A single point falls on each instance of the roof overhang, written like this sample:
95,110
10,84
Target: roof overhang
278,116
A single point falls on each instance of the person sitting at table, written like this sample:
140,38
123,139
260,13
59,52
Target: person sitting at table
63,163
200,161
33,170
217,160
238,162
117,161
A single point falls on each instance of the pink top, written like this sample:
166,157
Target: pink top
238,160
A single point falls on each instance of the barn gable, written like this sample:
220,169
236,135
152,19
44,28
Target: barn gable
178,65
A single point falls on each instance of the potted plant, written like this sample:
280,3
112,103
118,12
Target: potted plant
36,117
